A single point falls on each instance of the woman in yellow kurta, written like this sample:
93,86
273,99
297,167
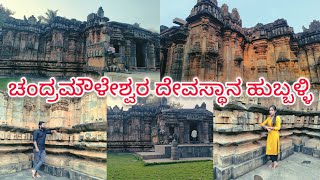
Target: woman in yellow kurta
273,124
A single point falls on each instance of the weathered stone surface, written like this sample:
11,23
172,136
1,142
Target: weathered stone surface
145,125
94,169
11,163
213,45
81,135
75,48
239,138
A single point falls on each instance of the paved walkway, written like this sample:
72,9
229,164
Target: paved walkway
296,167
153,161
26,175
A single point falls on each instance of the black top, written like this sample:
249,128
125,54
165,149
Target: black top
40,137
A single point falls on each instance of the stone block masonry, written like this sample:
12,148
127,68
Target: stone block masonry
77,151
240,142
213,46
69,48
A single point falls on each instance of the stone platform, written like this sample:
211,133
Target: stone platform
167,161
26,175
298,166
187,152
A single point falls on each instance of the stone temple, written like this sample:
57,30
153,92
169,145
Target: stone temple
152,128
211,44
78,151
68,47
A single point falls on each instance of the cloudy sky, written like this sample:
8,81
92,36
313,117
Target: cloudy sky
296,12
127,11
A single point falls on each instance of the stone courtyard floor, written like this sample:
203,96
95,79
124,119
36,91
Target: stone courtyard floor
296,167
26,175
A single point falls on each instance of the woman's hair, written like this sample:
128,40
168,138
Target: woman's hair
275,114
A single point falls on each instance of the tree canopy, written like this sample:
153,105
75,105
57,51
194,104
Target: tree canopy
4,14
49,17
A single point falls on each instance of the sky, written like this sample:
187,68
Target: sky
126,11
148,14
297,13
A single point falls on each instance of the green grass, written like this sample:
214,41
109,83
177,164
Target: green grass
5,81
127,166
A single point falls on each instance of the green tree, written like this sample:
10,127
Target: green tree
4,14
50,15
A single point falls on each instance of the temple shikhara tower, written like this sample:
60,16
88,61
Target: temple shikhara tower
68,47
211,44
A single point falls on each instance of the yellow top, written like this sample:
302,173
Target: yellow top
273,140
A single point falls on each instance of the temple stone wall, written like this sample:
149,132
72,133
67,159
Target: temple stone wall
130,130
77,151
68,47
240,142
143,126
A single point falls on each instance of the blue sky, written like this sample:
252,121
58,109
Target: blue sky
296,12
127,11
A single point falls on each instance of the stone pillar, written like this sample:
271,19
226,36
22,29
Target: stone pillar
205,132
145,54
226,56
128,53
181,137
133,58
186,136
200,132
151,56
174,150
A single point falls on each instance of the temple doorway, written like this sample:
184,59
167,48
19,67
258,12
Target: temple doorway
140,54
193,126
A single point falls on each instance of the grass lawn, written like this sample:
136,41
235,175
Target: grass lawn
127,166
5,81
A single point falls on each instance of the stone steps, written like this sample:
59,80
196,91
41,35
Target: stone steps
11,163
150,155
14,149
167,160
237,170
63,166
81,153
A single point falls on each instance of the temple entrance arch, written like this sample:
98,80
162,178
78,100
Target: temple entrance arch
193,126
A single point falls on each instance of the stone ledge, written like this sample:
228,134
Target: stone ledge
86,154
7,159
286,153
224,139
14,149
15,167
11,163
69,173
232,172
64,166
235,171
